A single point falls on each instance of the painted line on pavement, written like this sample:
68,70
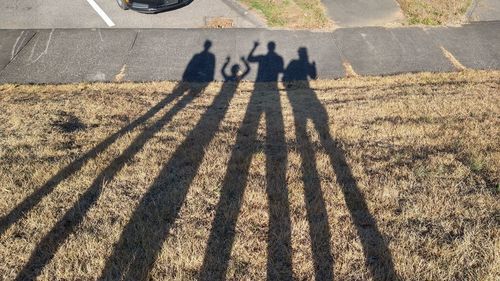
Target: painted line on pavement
101,13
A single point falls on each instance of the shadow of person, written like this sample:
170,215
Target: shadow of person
265,100
50,243
319,230
201,68
306,106
143,236
235,75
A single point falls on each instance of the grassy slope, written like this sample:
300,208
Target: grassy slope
301,14
434,12
423,149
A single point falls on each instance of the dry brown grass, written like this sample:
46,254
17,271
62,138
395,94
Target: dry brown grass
296,14
411,174
435,12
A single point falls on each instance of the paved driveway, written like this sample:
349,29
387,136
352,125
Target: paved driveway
34,14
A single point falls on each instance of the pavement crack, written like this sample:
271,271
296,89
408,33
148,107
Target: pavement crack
349,70
133,42
119,77
100,35
456,63
20,49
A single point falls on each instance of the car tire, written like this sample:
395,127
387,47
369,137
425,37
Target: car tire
121,4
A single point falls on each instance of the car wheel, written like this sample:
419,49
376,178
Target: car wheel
122,4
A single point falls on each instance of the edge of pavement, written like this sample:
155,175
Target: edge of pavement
138,55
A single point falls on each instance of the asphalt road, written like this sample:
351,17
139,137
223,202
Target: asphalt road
42,14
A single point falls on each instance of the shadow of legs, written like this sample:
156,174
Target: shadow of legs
27,204
317,215
223,227
222,234
279,248
49,245
143,236
377,255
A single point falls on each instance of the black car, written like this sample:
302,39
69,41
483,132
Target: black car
151,6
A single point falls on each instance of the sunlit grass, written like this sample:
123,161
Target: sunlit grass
422,148
299,14
434,12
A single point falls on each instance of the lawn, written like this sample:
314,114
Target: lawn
297,14
311,14
434,12
359,178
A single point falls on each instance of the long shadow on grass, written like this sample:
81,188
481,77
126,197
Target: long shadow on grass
27,204
306,106
199,72
199,69
143,236
265,101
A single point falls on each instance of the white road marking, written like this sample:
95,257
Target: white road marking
101,13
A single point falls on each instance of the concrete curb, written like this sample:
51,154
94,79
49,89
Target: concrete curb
238,8
471,9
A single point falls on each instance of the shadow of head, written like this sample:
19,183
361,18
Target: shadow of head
235,69
271,47
303,56
300,69
207,45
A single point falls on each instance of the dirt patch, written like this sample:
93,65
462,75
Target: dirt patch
219,22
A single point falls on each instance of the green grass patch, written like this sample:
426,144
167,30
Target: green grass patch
300,14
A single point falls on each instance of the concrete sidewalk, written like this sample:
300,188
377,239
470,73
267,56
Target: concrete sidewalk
484,10
81,55
356,13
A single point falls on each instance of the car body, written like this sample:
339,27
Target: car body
152,6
